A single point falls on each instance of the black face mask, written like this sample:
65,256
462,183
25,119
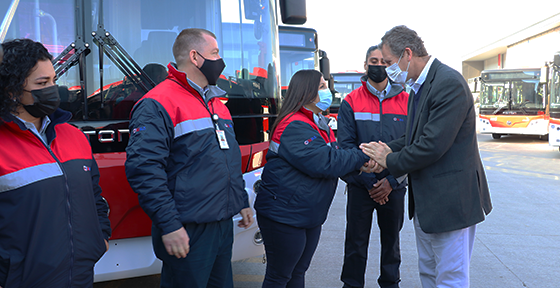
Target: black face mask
45,101
212,69
376,73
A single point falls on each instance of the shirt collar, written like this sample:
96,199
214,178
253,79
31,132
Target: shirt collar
42,133
379,94
201,91
416,85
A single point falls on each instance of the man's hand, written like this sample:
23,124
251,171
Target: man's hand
106,247
369,167
378,152
177,243
247,218
380,191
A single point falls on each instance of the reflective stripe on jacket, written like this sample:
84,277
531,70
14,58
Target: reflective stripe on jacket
301,174
53,220
363,118
174,161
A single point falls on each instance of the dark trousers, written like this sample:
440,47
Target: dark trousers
289,251
208,263
359,215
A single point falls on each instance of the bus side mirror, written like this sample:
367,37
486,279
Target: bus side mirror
293,11
557,59
324,65
331,85
253,9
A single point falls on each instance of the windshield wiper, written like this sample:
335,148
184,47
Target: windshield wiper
499,109
8,19
522,107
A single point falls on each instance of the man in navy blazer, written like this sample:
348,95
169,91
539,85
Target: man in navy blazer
448,192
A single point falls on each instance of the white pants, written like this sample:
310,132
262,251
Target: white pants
444,258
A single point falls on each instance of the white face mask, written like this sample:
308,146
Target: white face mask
395,73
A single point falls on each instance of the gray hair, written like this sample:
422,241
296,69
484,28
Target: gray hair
401,37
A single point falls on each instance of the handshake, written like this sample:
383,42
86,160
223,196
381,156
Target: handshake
377,152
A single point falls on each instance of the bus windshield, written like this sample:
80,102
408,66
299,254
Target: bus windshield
344,83
555,90
509,91
298,51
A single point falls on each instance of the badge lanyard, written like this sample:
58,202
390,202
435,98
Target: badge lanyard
220,134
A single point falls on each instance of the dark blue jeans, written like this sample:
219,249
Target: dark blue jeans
359,218
289,251
208,263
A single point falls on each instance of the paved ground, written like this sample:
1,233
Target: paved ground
517,246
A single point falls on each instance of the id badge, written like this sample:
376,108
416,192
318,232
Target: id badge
222,139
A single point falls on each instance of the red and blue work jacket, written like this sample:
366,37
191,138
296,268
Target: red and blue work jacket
300,177
53,220
174,160
364,118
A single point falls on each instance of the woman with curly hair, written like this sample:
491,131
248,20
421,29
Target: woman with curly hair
53,220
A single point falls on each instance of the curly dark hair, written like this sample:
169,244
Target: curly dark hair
20,56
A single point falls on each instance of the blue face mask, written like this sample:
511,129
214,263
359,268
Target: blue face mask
325,99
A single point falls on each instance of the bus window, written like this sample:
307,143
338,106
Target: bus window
555,90
249,77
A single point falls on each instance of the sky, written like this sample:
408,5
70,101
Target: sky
450,29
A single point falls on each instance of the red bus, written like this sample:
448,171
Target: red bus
343,84
112,42
299,50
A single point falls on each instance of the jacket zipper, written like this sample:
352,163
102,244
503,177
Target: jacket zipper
380,117
68,207
224,153
205,104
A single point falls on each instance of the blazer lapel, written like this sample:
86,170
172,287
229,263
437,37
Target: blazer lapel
409,120
425,91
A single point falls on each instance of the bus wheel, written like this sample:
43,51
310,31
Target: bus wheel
496,136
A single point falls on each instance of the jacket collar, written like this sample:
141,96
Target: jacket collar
394,89
319,120
181,78
427,85
308,113
423,75
57,117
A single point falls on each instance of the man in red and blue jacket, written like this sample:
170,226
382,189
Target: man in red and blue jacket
376,111
185,164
